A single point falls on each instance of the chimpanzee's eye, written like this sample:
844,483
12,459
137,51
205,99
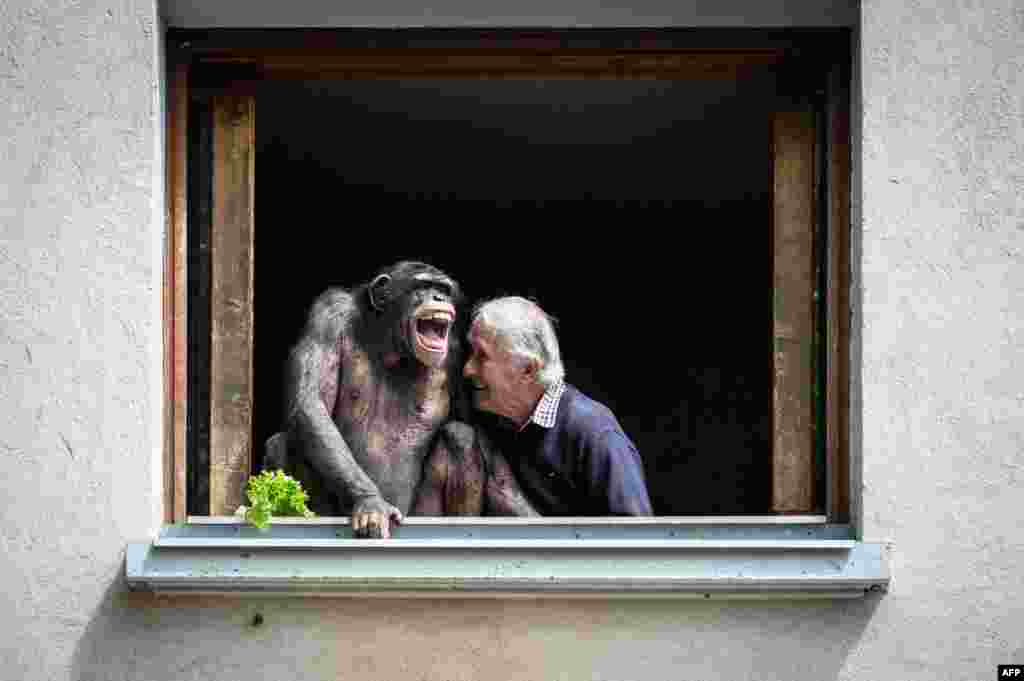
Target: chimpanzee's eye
427,288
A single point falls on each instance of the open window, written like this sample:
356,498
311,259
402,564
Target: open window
678,200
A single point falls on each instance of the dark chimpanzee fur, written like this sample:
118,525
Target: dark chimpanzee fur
370,383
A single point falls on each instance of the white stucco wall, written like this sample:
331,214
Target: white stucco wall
80,280
943,333
942,339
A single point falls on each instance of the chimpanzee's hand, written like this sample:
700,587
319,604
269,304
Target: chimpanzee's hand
372,517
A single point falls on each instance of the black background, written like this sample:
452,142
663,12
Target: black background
635,212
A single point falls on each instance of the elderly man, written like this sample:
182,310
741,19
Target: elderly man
567,451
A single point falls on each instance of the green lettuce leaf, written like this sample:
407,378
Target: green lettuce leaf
274,493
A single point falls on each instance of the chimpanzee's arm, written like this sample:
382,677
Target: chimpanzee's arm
312,378
465,476
430,497
453,477
502,496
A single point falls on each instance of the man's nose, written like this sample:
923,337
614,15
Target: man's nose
468,370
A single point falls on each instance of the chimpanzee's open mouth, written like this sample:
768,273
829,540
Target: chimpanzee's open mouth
432,327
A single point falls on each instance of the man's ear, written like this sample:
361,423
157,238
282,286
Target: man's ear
531,369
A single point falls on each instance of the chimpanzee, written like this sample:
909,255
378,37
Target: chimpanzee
369,387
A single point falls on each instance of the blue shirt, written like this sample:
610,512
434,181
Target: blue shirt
583,464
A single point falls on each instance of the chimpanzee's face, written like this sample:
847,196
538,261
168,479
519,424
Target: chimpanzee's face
431,314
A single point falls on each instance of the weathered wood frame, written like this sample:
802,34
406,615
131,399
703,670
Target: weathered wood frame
837,304
811,219
232,235
793,309
236,61
175,291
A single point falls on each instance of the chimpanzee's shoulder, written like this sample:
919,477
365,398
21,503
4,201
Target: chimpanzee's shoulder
458,433
332,312
334,302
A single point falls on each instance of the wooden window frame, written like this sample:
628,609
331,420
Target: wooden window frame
237,60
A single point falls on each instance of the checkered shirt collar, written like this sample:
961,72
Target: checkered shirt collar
547,409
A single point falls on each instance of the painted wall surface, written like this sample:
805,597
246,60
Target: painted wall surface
940,225
81,228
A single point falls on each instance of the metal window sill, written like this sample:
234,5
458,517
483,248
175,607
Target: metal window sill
568,557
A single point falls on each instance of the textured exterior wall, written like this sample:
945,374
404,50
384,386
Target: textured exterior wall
80,244
942,164
943,333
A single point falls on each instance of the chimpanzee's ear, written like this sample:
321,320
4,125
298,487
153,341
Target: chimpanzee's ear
380,291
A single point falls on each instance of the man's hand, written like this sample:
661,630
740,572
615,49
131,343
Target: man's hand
372,517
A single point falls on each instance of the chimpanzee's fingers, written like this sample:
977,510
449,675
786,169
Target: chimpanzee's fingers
377,526
359,524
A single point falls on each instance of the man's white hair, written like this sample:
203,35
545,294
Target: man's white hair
523,329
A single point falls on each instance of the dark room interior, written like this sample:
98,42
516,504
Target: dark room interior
637,212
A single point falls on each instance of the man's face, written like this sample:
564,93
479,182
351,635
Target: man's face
500,380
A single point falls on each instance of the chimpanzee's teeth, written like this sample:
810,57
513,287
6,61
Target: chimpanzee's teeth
439,319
